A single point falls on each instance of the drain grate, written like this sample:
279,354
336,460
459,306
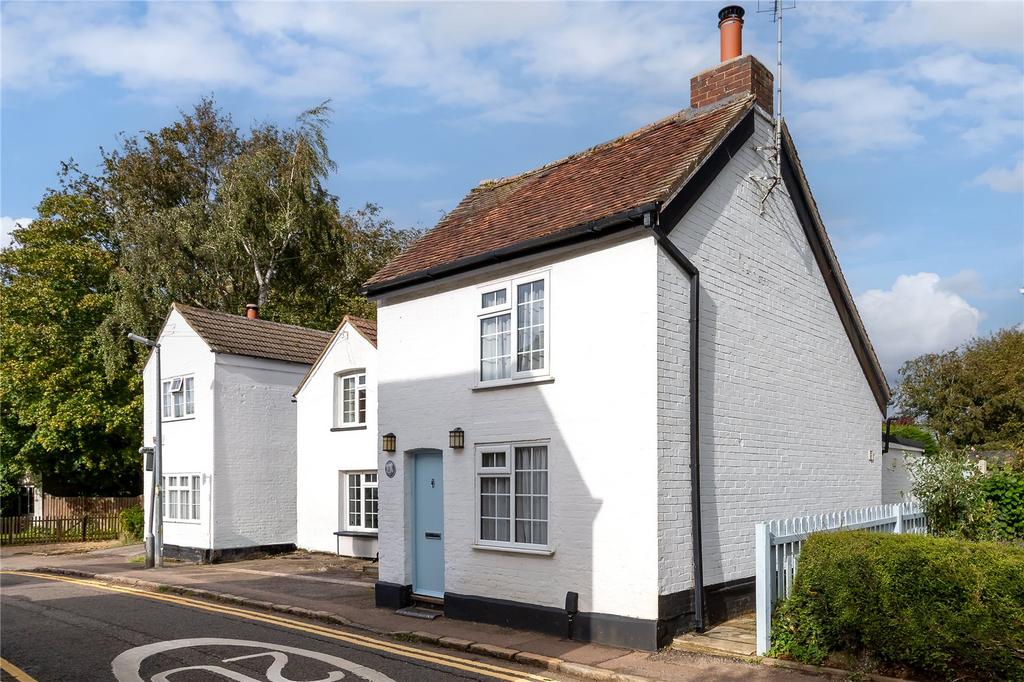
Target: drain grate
418,612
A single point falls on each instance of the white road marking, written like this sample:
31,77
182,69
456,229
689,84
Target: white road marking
128,665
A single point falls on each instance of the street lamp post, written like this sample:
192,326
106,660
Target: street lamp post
155,528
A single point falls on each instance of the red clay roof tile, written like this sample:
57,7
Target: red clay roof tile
641,167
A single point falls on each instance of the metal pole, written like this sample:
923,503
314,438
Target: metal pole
158,471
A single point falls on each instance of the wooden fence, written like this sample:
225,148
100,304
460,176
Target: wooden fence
777,546
68,519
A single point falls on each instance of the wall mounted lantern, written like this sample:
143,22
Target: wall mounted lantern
456,438
389,442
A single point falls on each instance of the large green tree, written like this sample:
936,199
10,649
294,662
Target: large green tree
197,212
971,396
65,418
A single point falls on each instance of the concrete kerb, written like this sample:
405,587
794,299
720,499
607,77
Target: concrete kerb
481,648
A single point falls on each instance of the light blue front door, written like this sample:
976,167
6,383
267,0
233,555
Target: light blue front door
428,524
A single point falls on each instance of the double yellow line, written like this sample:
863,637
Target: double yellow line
414,653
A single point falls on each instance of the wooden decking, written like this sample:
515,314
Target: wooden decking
735,638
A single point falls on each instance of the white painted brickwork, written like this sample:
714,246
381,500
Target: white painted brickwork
323,454
599,414
254,462
788,418
675,557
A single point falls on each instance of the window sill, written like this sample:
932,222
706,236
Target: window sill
514,550
167,420
355,533
508,383
188,522
355,427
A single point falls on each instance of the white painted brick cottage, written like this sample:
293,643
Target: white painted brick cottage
648,347
337,452
228,424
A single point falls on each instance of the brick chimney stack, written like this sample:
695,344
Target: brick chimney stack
737,74
252,311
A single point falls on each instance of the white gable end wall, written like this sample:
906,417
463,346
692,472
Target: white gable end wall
254,476
187,443
787,416
323,453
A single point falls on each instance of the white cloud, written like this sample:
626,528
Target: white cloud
7,225
1002,179
861,112
920,314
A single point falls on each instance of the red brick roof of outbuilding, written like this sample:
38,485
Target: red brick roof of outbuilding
644,166
238,335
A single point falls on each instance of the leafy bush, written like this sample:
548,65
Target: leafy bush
950,487
943,607
1003,488
132,522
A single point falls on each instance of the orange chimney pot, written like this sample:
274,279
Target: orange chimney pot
730,27
252,311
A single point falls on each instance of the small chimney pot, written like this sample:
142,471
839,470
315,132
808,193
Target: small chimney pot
730,27
252,311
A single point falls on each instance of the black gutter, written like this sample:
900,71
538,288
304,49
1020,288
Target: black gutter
574,235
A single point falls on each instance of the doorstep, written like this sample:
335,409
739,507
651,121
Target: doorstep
734,637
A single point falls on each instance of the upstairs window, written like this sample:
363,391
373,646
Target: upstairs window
350,399
178,397
513,329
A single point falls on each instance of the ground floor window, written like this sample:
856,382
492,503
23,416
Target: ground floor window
361,500
181,497
513,494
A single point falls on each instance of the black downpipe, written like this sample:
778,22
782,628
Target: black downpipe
888,427
696,531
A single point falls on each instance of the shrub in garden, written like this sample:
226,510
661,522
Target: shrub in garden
132,523
1003,488
950,487
943,607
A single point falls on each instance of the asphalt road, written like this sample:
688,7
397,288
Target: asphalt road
78,630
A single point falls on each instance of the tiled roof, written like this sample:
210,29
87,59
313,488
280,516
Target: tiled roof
366,328
644,166
237,334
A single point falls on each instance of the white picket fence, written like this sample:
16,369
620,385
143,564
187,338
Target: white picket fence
778,543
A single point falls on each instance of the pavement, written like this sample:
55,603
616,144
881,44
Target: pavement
339,591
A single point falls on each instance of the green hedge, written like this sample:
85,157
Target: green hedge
940,606
132,523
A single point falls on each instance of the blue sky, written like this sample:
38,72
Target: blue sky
909,116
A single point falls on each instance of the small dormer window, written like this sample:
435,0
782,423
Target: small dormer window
513,329
350,399
178,398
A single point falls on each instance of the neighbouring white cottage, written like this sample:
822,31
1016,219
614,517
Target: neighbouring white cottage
898,458
228,424
337,451
595,377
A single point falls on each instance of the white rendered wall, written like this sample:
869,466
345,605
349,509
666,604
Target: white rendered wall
254,474
897,485
787,416
323,453
188,443
599,414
